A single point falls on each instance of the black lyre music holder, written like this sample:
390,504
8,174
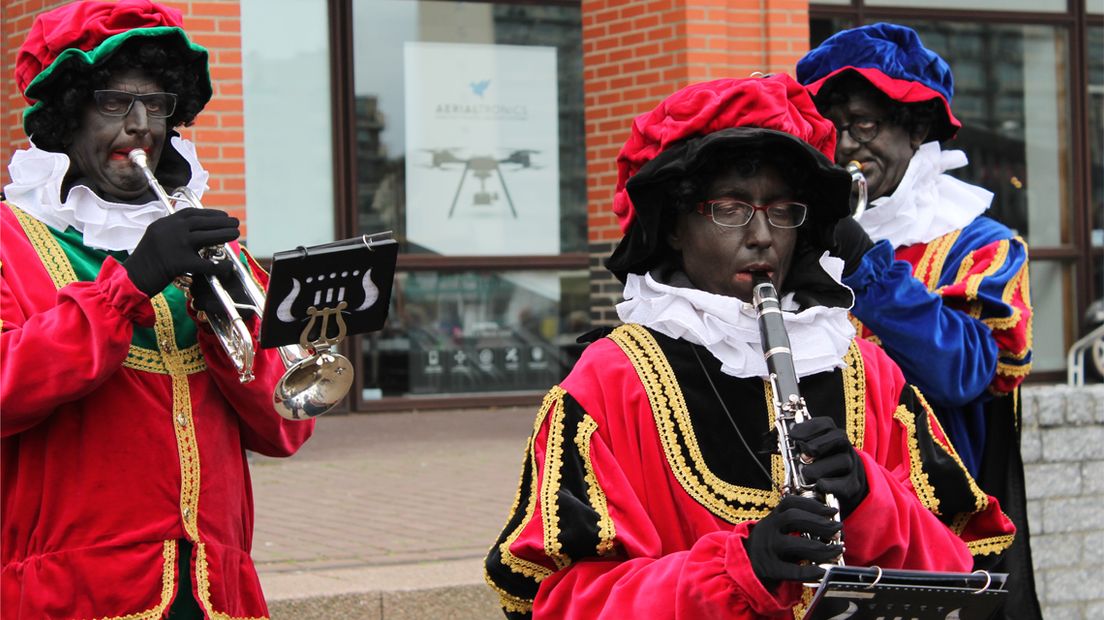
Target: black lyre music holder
318,295
871,593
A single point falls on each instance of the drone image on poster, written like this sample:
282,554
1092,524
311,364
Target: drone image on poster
482,167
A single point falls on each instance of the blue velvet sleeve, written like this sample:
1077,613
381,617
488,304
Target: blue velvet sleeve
948,354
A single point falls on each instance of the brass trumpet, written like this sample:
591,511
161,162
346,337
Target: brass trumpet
858,182
317,377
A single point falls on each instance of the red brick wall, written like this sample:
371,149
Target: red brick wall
636,53
219,129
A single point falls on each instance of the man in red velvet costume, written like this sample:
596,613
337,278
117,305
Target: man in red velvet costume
645,491
124,426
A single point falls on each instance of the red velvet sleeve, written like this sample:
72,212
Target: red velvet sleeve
55,356
909,458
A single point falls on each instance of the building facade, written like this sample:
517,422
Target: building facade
484,136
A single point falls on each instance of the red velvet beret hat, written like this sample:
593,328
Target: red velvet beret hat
692,125
81,36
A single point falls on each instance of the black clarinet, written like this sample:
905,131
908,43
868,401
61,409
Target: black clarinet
789,406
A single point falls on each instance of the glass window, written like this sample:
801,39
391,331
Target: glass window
469,126
470,142
1041,6
820,28
477,331
1012,97
1094,43
1052,287
288,125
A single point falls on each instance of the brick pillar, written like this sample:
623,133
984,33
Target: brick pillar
219,129
637,53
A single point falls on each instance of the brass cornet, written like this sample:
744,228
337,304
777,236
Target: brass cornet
317,377
858,183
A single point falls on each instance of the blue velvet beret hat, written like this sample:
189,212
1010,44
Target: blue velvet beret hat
891,58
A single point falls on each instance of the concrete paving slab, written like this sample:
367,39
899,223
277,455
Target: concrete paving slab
388,515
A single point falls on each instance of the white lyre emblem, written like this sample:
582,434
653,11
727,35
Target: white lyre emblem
327,290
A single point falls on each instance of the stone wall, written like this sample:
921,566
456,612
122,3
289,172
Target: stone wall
1063,453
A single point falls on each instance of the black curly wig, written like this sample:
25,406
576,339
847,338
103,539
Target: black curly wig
51,127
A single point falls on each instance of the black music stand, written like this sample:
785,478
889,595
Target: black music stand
319,294
870,593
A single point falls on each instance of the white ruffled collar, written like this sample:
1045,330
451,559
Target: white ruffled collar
727,327
927,204
37,176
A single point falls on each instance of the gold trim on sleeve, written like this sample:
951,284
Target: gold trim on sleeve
981,500
920,483
550,486
507,601
606,528
518,565
854,395
985,546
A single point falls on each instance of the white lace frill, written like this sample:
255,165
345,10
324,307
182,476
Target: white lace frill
728,329
927,204
37,176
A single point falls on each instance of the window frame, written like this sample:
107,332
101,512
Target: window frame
343,111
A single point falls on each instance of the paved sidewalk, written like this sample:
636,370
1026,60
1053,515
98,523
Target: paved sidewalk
388,515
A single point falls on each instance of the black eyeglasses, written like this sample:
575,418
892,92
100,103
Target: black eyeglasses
731,213
119,103
862,131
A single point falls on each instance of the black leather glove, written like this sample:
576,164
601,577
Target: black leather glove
170,248
850,242
204,299
777,556
836,467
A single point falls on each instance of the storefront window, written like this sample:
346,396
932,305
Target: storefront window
1011,94
475,332
470,143
470,126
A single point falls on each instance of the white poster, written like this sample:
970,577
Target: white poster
482,149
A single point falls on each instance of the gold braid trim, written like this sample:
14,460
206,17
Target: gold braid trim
203,585
182,420
920,483
47,247
553,462
802,605
56,263
672,419
168,572
946,243
985,546
973,283
1013,370
516,564
854,395
935,255
981,500
606,528
148,360
508,601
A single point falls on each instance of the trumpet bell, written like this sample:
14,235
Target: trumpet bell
313,386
